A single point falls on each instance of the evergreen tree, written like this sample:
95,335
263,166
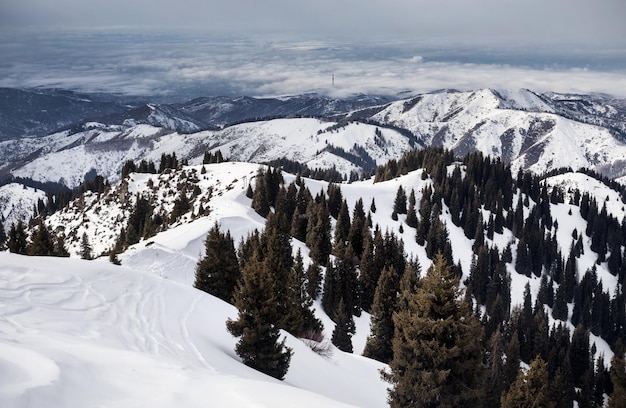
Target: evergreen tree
3,235
42,243
344,327
85,247
303,301
217,272
59,246
434,364
17,238
369,274
181,207
579,357
335,200
530,389
342,228
495,379
278,264
379,343
260,197
618,378
346,284
314,280
399,205
358,229
318,232
258,346
411,215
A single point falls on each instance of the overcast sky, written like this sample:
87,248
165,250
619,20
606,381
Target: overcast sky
597,22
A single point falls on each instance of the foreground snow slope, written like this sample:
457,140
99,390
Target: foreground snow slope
79,333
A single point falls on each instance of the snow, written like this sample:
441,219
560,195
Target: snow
80,333
17,202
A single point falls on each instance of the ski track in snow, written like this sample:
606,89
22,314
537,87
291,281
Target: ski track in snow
77,333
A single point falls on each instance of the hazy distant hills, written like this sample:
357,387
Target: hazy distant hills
39,112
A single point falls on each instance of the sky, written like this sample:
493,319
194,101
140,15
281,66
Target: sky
275,47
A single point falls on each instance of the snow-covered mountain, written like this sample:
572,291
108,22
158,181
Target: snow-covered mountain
39,112
530,131
221,111
536,132
148,336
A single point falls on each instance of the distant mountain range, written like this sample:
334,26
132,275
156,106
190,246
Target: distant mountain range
97,134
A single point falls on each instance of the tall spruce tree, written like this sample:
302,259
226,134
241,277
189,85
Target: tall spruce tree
3,235
379,343
344,328
260,197
85,247
259,344
42,243
17,242
618,378
434,364
530,389
399,204
217,272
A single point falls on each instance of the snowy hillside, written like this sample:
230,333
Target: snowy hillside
16,201
518,126
173,253
531,131
78,333
104,148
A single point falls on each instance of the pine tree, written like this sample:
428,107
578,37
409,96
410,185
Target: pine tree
618,378
369,274
314,280
434,364
495,380
17,238
260,197
335,200
85,247
379,343
399,205
344,327
358,229
318,232
258,346
530,389
342,228
217,272
278,263
411,215
59,246
42,243
579,358
3,235
303,301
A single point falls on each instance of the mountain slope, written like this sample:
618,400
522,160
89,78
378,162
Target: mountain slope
80,333
38,112
174,336
536,132
520,127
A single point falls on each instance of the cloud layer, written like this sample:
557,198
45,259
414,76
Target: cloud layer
183,65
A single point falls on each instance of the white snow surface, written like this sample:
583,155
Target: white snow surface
77,333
